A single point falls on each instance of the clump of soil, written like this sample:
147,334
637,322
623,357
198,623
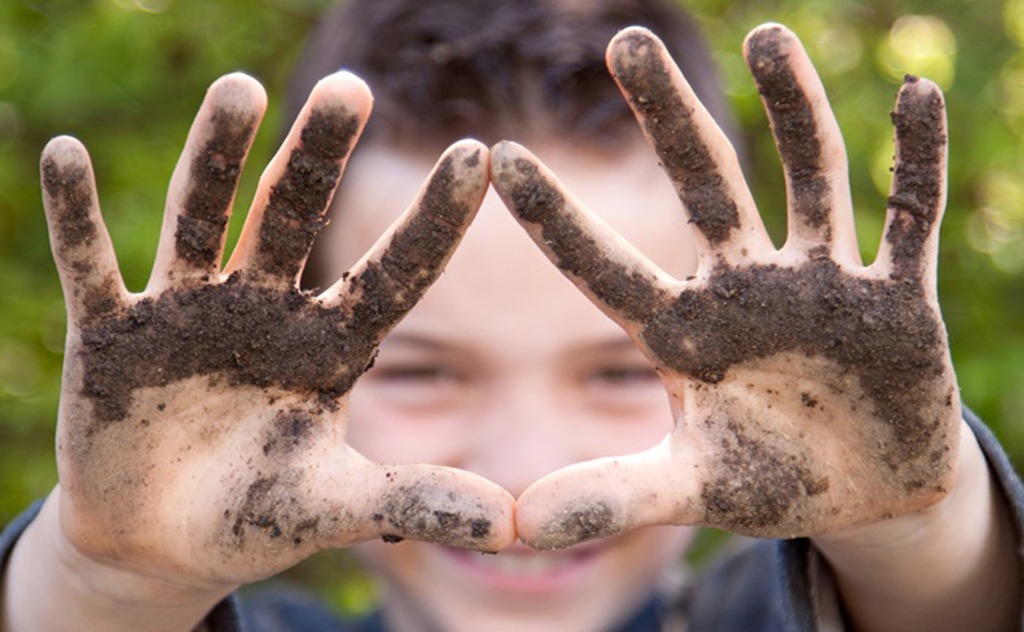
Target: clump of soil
268,337
70,189
884,332
627,292
418,251
289,431
267,508
251,335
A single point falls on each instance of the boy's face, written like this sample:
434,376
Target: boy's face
506,370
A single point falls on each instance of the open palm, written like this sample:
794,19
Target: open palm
202,425
811,393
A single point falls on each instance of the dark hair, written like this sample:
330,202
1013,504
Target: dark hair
441,70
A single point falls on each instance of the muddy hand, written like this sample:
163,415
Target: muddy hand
202,422
810,393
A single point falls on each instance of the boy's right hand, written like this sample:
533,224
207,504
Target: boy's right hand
201,435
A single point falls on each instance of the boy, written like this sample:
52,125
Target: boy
204,425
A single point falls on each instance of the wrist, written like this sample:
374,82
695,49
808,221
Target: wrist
952,566
46,569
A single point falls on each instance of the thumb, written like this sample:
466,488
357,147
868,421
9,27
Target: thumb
436,504
608,496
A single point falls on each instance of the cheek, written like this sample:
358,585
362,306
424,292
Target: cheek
608,430
386,433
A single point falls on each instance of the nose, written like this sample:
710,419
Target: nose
522,434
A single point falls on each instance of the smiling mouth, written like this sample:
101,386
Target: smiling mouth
522,569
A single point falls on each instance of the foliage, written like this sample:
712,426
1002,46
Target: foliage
126,76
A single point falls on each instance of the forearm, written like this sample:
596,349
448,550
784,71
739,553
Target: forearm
953,567
48,586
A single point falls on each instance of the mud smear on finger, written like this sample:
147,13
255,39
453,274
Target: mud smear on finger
425,512
579,521
794,127
670,126
390,286
295,208
916,201
216,168
628,293
70,191
71,199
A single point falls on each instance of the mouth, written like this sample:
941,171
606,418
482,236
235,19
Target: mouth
520,569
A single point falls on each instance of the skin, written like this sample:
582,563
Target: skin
773,359
513,388
167,391
137,536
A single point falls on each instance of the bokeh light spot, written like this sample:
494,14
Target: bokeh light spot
921,45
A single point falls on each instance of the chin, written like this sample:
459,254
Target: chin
591,586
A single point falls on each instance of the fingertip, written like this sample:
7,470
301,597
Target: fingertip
65,151
505,156
629,48
238,91
471,155
919,90
568,523
346,89
769,41
632,38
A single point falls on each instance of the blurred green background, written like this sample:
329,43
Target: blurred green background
126,76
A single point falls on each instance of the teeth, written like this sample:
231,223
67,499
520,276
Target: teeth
528,565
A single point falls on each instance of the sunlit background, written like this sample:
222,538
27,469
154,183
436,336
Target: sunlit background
126,76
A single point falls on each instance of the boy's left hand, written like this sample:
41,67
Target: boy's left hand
811,393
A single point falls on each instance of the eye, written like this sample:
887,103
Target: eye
416,373
622,375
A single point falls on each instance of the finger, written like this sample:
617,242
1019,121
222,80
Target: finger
78,237
615,276
809,142
297,186
204,183
694,152
390,279
917,197
437,504
606,497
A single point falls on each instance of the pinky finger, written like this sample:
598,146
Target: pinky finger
79,240
917,196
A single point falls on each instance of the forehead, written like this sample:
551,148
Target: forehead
627,190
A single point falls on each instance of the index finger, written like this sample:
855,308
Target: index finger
620,280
